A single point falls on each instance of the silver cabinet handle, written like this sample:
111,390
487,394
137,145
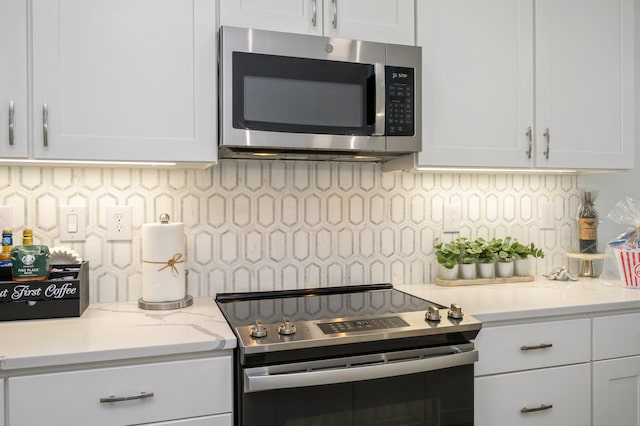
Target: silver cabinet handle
314,17
45,124
141,395
533,348
542,407
11,122
548,137
530,139
334,20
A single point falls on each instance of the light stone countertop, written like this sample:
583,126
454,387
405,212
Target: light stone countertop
531,300
114,331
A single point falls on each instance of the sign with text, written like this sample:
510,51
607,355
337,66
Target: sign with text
39,290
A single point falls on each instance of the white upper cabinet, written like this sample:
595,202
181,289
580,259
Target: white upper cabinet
13,79
480,84
477,81
124,80
585,83
388,21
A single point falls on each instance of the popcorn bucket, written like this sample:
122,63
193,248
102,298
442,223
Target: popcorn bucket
629,267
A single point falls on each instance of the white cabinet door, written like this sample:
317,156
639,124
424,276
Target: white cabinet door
551,396
13,79
125,80
291,16
1,402
616,392
477,59
387,21
219,420
585,83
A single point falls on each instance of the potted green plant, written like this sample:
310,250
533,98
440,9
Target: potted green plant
522,254
487,257
469,253
447,255
505,256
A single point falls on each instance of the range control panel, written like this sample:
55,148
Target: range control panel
399,103
362,325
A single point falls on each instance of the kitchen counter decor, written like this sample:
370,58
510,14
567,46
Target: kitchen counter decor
65,293
471,262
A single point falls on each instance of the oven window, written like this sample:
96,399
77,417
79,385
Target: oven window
297,95
437,398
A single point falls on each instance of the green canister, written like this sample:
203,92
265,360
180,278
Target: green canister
30,262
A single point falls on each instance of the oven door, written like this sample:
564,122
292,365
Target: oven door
432,386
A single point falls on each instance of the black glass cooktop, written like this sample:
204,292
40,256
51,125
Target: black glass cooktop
241,309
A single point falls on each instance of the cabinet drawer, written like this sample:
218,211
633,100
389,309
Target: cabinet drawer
529,346
219,420
562,394
180,389
616,336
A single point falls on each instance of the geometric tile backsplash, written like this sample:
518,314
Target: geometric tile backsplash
260,225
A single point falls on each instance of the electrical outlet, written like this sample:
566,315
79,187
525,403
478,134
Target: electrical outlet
452,216
118,223
73,223
5,217
548,216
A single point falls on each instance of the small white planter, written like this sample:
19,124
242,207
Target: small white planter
521,267
504,269
468,271
486,270
448,274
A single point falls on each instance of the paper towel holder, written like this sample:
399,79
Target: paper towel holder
175,304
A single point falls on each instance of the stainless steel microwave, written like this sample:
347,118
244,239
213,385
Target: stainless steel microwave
295,96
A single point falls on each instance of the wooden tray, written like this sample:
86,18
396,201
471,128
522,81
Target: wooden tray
454,283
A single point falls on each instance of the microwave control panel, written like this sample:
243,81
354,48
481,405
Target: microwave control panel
399,104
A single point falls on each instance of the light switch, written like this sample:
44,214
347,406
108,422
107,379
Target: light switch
73,226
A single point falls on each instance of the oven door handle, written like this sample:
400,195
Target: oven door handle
258,378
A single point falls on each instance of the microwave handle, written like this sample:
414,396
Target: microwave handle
380,99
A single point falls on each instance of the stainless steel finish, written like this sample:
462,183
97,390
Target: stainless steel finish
530,139
334,19
535,347
287,328
380,98
432,314
163,306
362,367
542,407
309,334
548,137
112,398
258,330
242,143
11,122
45,125
455,312
314,16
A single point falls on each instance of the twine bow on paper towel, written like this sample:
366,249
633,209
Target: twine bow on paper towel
171,263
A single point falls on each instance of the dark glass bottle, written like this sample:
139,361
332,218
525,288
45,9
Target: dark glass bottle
587,225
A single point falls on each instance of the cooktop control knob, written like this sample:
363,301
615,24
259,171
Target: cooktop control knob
455,312
432,314
286,327
258,330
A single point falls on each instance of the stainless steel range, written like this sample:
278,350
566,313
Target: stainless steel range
353,355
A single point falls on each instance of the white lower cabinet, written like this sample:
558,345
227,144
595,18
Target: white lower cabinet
549,396
1,402
616,370
534,374
195,392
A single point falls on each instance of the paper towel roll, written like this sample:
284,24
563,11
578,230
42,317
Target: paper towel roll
163,262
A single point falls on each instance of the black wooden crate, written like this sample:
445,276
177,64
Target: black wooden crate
64,294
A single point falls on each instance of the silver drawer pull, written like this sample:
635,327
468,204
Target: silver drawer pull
113,398
45,125
12,114
533,348
542,407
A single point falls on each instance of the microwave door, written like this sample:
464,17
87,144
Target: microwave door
380,100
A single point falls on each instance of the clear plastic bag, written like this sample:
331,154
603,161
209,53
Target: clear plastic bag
622,264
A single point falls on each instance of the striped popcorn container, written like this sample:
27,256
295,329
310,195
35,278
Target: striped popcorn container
629,266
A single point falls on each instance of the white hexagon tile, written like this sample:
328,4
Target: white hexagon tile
260,225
